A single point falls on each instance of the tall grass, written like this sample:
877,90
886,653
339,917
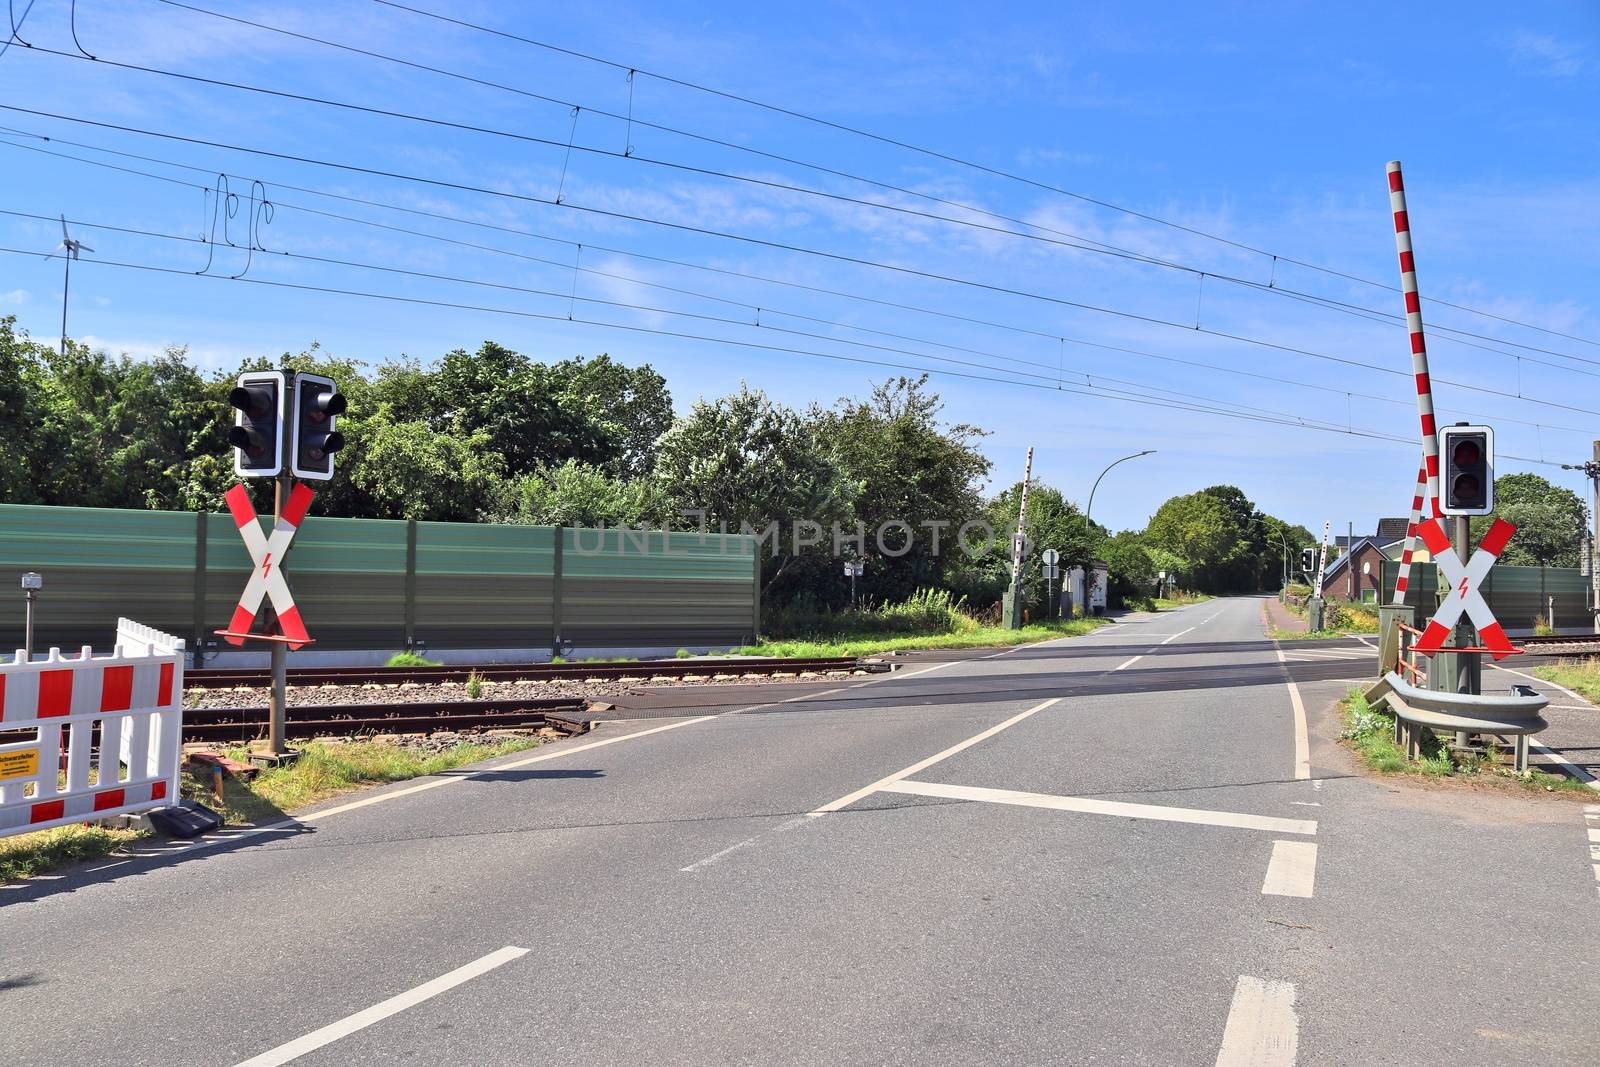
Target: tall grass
927,611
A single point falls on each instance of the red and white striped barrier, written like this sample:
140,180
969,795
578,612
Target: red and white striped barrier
267,553
135,698
1465,596
1419,346
1403,577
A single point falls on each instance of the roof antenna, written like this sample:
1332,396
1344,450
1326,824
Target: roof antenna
70,250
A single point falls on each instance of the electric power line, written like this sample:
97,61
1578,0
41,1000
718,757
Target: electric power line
950,158
777,245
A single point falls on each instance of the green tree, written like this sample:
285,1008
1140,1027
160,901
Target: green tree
744,459
1549,521
579,494
1198,529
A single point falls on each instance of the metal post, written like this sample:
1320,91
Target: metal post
1594,569
1350,561
279,700
1467,668
1011,605
27,633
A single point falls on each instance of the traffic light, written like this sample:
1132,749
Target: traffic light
255,437
1308,560
1467,456
316,410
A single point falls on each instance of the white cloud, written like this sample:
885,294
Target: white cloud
15,296
1557,58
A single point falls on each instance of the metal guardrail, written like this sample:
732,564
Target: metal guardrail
1515,715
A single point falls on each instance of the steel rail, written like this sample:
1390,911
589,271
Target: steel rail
319,720
223,677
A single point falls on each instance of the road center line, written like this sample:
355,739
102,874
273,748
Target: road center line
1302,740
1180,633
293,1050
1292,871
1128,663
1094,806
715,857
1262,1028
866,791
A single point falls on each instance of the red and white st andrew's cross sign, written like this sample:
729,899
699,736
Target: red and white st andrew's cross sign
267,552
1465,595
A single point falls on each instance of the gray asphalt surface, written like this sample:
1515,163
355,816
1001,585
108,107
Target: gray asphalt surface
679,905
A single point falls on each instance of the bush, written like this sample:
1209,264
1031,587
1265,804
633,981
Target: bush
410,659
1542,627
927,611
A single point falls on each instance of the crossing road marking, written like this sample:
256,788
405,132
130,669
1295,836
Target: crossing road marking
380,1011
1302,741
1263,1029
866,791
1292,871
1095,806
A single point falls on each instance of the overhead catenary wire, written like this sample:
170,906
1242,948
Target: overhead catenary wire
1119,395
572,297
1062,340
763,242
567,241
1064,239
958,160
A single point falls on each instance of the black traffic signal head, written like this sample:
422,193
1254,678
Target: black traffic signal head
256,435
1466,455
316,410
1308,560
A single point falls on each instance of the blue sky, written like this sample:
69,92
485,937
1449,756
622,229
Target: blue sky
1265,124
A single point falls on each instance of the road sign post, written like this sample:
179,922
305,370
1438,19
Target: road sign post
1048,559
853,569
32,582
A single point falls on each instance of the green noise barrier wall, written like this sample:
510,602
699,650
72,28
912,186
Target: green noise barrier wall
380,584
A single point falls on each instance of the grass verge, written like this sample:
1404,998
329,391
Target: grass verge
869,644
1369,732
1172,603
325,769
26,855
1580,676
331,768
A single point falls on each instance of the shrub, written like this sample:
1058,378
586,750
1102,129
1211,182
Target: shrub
1542,627
410,659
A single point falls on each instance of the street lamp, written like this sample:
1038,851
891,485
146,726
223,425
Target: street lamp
1090,509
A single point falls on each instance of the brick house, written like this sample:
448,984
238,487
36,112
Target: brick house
1357,574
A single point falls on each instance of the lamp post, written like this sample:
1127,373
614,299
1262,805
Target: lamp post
1088,523
31,584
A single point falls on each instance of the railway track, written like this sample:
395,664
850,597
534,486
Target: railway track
1561,645
247,724
235,677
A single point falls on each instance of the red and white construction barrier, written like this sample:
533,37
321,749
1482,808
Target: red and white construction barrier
1428,477
134,697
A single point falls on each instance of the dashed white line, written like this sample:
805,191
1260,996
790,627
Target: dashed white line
1292,871
1095,806
293,1050
1180,633
1128,662
1263,1029
866,791
715,857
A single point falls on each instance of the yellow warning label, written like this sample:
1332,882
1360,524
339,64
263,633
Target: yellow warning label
20,764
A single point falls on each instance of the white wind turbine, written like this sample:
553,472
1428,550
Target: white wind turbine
70,249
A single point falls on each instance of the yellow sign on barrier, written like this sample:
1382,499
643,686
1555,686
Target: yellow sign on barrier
23,763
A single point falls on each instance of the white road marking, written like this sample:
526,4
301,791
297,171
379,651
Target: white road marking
1292,871
1306,803
1333,653
807,696
1571,768
866,791
1180,633
1302,740
1544,681
1095,806
1128,663
746,843
293,1050
1208,618
1262,1028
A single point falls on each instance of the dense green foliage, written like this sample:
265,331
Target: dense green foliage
1549,521
494,435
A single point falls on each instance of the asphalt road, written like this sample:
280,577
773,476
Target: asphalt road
1120,848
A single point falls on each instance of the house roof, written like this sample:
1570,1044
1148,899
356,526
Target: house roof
1391,530
1338,564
